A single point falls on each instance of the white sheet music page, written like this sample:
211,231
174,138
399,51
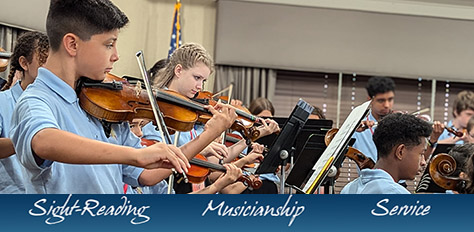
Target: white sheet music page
336,147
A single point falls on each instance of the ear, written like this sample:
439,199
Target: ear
399,151
369,98
178,69
70,43
23,63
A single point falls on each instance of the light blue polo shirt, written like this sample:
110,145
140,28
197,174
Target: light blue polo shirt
364,142
50,103
149,132
374,181
11,176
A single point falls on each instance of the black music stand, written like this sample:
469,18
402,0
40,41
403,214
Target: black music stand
282,148
426,183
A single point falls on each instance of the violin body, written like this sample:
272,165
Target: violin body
361,160
123,102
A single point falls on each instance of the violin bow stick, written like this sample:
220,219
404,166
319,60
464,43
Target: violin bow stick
156,109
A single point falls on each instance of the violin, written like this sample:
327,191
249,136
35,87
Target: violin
243,114
115,100
440,168
201,168
361,160
4,57
427,118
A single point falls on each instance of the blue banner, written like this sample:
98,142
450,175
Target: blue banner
235,212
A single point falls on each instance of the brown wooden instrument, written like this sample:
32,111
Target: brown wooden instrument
440,168
115,100
361,160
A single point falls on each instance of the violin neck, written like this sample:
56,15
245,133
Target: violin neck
206,164
162,96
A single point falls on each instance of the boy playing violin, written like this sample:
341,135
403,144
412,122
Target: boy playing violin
63,149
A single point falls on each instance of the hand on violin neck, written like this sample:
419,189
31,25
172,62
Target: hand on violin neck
268,127
160,155
231,176
259,148
223,116
365,125
235,102
217,150
438,129
251,158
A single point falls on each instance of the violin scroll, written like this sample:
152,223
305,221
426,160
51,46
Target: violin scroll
440,168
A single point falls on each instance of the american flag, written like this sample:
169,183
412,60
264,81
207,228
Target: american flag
176,31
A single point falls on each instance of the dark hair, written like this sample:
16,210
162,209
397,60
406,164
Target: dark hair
376,85
464,101
26,45
317,111
461,153
153,72
260,104
470,175
83,18
396,129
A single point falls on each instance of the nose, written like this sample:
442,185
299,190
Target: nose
115,55
199,85
422,160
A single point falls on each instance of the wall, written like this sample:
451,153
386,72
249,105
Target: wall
150,30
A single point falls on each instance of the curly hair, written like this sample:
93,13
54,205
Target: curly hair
396,129
470,175
187,56
376,85
27,45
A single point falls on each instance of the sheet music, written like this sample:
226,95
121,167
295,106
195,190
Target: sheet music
336,147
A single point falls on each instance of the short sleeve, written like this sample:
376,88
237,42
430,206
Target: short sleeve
30,116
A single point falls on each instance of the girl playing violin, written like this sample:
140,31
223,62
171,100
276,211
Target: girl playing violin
30,52
185,73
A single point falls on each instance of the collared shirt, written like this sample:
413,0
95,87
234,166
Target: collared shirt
374,181
149,132
11,177
50,103
446,134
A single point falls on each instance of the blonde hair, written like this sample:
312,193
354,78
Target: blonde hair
187,56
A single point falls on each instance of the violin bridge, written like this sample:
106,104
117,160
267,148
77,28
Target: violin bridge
138,88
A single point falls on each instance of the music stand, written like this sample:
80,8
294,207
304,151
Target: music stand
335,149
426,183
282,148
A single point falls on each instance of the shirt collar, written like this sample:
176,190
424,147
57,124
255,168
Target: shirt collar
16,91
57,85
371,174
